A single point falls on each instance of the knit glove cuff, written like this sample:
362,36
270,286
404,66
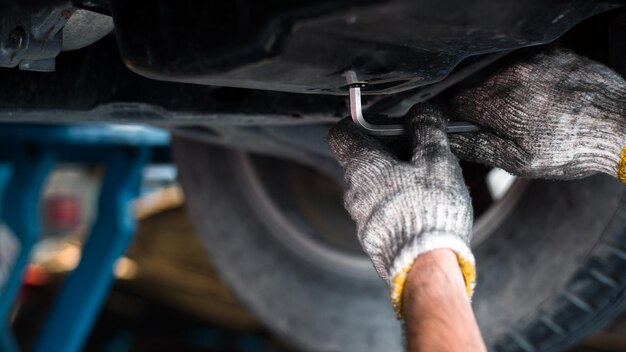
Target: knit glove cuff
402,264
602,131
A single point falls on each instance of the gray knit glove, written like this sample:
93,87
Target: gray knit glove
557,115
403,209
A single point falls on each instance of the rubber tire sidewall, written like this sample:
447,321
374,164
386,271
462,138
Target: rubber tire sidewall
528,272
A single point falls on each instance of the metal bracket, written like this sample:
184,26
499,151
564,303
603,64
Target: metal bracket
27,156
84,292
34,35
356,111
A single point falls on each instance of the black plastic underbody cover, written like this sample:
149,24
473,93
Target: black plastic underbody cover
305,46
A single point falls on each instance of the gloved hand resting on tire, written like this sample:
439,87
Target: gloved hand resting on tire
404,209
557,115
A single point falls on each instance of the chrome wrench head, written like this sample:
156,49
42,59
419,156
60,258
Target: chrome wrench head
356,111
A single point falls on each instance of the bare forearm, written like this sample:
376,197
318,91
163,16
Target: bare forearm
437,312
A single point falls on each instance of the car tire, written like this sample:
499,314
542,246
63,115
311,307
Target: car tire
550,274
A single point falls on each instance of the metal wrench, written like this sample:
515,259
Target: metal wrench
356,111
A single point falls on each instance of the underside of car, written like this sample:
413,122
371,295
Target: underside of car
249,90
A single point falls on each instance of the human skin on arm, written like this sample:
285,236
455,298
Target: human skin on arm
437,312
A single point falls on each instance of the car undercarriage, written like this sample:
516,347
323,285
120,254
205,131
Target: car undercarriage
249,90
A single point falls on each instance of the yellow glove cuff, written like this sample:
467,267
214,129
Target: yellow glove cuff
397,287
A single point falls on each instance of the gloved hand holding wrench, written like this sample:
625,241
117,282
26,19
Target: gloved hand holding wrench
557,115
